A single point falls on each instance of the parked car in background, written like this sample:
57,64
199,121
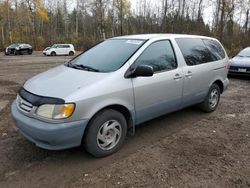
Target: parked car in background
59,49
44,51
101,95
18,49
240,64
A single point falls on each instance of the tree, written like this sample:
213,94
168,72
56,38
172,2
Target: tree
122,8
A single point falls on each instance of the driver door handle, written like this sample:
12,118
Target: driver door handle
177,77
189,74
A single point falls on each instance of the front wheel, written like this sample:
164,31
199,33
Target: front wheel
17,52
106,133
212,100
53,54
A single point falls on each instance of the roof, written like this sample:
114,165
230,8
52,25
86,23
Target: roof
63,44
152,36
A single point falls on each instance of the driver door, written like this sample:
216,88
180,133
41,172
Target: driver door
60,50
161,93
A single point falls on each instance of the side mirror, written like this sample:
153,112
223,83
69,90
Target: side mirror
140,71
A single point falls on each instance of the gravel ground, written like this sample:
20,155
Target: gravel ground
183,149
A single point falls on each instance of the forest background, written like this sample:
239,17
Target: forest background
83,23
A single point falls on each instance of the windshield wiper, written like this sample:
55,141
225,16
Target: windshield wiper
83,67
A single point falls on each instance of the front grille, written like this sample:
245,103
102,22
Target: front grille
11,50
24,105
233,68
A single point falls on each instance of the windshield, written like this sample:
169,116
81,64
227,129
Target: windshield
107,56
245,53
54,46
14,45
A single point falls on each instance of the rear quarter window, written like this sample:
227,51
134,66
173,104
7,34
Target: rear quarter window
194,51
215,48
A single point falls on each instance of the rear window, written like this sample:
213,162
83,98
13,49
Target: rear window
194,51
215,48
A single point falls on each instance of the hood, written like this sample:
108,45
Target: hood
46,48
50,48
62,81
240,61
13,46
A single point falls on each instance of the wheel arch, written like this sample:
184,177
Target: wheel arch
129,116
53,52
220,84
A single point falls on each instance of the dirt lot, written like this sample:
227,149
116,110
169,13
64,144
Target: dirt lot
184,149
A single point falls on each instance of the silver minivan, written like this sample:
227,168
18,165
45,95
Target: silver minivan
98,98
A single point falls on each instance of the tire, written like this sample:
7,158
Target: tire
212,99
71,53
53,53
105,133
16,52
30,52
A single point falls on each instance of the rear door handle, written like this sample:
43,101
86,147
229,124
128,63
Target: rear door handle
177,77
189,74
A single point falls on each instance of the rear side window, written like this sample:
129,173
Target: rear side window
159,55
66,46
215,48
194,51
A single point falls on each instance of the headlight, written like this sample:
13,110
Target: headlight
52,111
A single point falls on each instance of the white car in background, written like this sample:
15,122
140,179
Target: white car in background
59,49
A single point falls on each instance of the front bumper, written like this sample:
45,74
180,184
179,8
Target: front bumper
237,73
10,51
49,135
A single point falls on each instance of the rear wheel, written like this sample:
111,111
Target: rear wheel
71,53
212,100
106,133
